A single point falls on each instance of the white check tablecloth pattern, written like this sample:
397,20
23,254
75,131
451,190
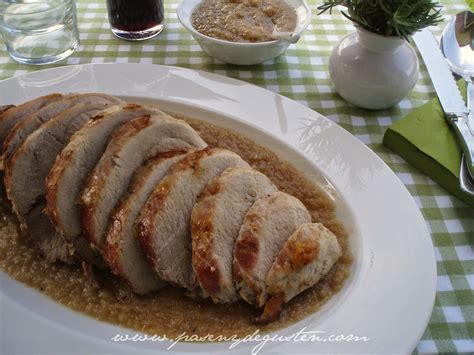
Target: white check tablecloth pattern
302,75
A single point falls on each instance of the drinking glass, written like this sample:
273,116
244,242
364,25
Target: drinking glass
136,20
39,31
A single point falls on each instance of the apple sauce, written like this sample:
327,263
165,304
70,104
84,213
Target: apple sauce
244,20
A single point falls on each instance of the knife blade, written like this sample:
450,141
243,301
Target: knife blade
470,105
451,100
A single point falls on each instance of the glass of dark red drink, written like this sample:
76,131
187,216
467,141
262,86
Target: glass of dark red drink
136,20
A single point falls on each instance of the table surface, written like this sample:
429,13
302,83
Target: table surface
302,75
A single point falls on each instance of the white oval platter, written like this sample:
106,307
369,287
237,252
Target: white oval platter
388,299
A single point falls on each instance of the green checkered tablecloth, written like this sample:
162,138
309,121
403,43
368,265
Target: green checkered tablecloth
302,75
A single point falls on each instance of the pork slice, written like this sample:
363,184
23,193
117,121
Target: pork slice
128,148
22,129
267,226
306,258
69,173
30,164
28,168
164,224
120,249
215,224
11,117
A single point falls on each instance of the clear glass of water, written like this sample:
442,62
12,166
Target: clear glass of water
39,31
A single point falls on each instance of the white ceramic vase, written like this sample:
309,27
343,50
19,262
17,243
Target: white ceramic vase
373,71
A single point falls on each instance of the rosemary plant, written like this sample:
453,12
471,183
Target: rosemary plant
399,18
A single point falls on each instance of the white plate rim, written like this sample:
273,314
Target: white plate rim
164,77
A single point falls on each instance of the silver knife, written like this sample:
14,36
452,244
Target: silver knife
451,100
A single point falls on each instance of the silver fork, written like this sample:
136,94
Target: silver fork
461,62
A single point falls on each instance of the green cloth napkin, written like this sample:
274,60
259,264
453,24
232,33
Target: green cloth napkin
425,139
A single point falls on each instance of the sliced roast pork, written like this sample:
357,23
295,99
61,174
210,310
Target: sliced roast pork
30,164
267,226
306,257
11,117
22,129
71,169
128,148
120,249
215,224
163,227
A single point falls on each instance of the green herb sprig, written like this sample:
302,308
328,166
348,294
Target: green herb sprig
400,18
